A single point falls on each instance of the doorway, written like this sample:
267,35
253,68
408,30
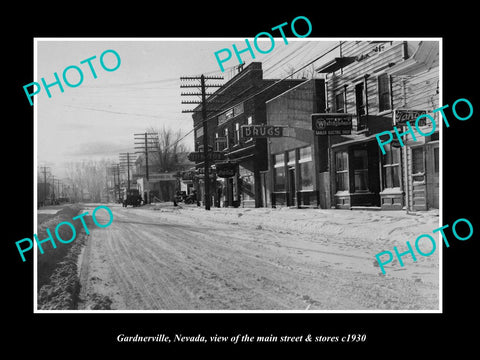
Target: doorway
418,179
291,186
433,178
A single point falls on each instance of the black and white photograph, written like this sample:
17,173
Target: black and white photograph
222,178
224,194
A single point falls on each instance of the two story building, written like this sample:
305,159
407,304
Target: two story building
378,82
240,101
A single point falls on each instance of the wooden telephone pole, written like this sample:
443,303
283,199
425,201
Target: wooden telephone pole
203,102
147,144
125,161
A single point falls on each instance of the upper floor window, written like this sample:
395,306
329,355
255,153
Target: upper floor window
384,97
340,102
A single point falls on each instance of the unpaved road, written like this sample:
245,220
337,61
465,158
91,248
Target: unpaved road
158,260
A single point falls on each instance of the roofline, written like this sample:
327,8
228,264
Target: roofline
293,88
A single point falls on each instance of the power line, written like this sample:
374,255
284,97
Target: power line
326,52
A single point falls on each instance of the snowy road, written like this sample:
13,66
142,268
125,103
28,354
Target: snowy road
166,258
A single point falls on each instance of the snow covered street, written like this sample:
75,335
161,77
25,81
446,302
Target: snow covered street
160,257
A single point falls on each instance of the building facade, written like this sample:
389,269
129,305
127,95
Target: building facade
380,83
240,101
299,159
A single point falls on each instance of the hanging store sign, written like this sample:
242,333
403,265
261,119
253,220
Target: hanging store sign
212,155
332,124
260,131
162,176
225,170
188,175
401,116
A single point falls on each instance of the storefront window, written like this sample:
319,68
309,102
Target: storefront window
360,166
391,167
305,164
291,158
306,175
246,183
341,170
279,172
418,165
417,161
305,154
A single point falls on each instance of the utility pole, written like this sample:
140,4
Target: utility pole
58,187
106,185
112,170
118,177
53,188
115,169
146,146
125,161
203,86
44,184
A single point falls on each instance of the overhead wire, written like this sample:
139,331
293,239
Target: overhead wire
302,48
326,52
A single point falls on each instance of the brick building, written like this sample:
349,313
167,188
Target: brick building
240,101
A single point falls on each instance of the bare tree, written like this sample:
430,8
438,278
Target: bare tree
88,175
306,73
168,147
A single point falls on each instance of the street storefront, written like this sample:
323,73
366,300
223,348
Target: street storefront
356,174
159,186
294,178
383,83
298,159
240,102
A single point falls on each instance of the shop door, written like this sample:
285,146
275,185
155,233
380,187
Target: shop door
433,181
291,181
418,179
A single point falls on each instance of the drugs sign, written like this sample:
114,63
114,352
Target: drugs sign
332,124
259,131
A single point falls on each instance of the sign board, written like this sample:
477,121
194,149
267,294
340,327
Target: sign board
212,155
259,131
200,148
162,176
332,124
188,175
200,173
225,170
401,116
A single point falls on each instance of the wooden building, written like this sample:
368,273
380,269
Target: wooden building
373,81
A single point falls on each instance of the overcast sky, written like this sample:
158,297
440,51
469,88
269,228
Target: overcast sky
98,118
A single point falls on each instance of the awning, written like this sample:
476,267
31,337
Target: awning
335,64
355,140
